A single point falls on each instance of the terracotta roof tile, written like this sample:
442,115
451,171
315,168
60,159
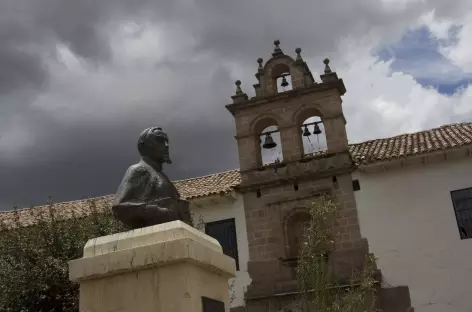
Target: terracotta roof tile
77,207
410,144
217,183
405,145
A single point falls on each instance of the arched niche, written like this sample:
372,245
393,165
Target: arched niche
312,131
313,136
282,78
266,130
270,155
276,69
262,122
295,224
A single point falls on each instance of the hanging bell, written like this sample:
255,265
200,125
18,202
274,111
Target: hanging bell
284,82
306,132
317,129
269,142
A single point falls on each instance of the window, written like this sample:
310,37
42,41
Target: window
224,232
356,186
462,201
211,305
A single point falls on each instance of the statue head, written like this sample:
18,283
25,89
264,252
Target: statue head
154,143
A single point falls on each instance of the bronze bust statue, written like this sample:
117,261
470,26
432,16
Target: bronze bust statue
146,196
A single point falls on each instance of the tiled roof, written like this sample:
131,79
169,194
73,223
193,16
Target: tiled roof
77,207
218,183
405,145
411,144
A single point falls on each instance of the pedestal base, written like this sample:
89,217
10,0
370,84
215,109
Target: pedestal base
168,267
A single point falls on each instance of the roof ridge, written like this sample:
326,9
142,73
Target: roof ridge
414,132
75,201
206,176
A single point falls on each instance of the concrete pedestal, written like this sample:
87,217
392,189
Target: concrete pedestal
170,267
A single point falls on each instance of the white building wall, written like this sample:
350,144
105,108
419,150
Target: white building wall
210,211
408,217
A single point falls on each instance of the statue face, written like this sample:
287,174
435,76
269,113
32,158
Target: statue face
158,149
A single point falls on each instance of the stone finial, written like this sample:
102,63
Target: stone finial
299,57
240,96
277,49
329,75
260,68
238,87
327,69
260,61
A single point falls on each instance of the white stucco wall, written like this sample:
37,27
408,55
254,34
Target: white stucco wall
408,217
216,210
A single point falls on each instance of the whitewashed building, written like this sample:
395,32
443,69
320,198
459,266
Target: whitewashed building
417,215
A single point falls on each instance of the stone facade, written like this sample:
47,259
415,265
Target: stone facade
278,195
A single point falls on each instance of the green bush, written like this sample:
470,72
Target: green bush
319,289
34,257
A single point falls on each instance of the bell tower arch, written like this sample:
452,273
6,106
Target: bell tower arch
302,112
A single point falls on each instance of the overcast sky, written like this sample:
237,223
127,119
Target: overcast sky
79,80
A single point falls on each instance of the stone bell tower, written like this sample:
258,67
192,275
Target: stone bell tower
278,194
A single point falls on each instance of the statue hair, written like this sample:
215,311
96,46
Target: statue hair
143,138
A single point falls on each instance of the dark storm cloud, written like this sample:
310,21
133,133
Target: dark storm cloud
77,132
19,69
85,158
77,163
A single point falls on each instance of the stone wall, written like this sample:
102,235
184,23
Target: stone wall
274,194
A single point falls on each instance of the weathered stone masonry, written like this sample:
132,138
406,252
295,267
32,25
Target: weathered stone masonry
277,196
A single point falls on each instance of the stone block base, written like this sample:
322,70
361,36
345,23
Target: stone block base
395,299
275,276
274,285
163,268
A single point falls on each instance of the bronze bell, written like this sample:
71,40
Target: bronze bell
306,132
317,129
269,142
284,82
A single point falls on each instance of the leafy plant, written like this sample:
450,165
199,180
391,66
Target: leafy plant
319,289
35,248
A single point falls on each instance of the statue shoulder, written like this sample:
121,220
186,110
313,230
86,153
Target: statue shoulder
133,184
138,170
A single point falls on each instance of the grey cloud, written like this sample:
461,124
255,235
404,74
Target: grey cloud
82,147
85,158
20,70
230,29
81,163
